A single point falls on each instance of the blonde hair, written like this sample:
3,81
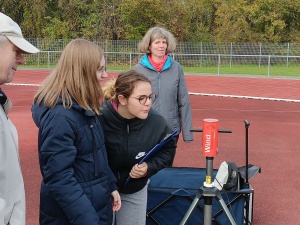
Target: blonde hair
109,89
74,78
123,85
154,33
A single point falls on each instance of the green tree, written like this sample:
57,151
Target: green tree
12,8
188,20
140,15
88,19
257,21
33,18
107,20
70,18
267,20
200,19
231,23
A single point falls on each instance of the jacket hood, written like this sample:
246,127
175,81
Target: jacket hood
117,121
40,110
145,62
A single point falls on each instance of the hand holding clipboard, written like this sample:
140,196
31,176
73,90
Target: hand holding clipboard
156,148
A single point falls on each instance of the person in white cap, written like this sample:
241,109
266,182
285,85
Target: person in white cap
12,194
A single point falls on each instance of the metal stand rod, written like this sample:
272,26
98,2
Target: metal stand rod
201,130
209,170
208,192
207,211
247,124
191,208
227,212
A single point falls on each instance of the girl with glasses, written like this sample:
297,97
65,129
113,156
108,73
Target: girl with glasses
131,128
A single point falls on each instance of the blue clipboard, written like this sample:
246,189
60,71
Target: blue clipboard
156,148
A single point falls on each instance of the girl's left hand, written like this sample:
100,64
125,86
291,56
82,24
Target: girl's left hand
116,200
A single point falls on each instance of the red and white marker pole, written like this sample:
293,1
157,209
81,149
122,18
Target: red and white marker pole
210,137
210,147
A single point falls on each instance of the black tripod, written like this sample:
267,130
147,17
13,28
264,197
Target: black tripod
208,192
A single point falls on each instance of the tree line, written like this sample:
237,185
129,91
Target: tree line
189,20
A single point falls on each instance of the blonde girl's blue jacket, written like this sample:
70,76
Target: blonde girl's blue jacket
173,101
76,179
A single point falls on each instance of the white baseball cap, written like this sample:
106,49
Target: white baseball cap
12,31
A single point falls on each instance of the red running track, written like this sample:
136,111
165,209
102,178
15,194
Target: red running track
273,137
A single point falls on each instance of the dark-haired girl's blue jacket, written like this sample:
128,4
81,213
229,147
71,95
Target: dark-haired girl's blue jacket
77,181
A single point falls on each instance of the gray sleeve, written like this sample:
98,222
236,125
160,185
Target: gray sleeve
185,111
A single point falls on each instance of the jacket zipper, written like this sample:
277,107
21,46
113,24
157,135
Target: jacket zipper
95,152
159,99
127,131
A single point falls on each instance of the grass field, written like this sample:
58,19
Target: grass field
274,71
240,70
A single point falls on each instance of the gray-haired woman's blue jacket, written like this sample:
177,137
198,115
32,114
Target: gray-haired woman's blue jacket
77,181
173,100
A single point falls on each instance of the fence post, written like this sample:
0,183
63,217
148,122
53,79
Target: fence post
259,59
269,63
230,53
201,52
219,63
287,54
130,58
37,44
48,59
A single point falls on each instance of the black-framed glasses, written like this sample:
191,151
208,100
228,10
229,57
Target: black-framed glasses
143,98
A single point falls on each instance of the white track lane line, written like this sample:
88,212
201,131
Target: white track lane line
202,94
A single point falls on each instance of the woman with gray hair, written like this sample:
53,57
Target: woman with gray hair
167,80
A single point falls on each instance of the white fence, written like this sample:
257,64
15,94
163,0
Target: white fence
238,48
215,64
